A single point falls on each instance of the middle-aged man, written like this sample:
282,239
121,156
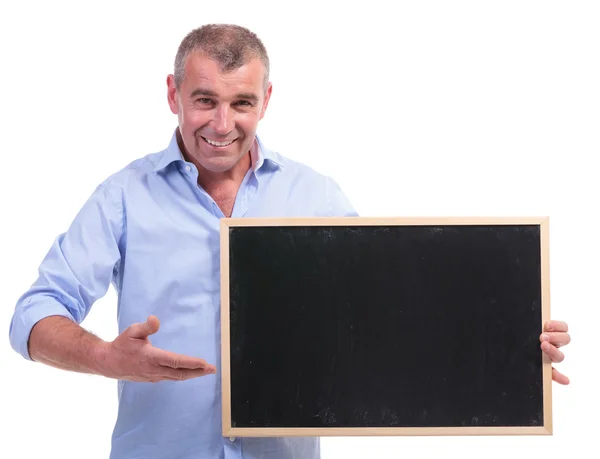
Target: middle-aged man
152,230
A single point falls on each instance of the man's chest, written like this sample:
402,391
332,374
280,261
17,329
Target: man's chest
167,225
225,201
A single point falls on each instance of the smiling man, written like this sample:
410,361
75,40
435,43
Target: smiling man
152,230
219,97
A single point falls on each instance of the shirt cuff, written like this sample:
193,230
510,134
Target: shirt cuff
30,314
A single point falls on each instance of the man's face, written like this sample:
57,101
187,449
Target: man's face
218,112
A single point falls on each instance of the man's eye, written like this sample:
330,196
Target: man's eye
203,100
244,103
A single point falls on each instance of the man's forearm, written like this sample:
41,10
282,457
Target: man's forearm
61,343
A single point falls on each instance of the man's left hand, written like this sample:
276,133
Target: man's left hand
555,336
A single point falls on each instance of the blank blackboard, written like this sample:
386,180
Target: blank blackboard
397,326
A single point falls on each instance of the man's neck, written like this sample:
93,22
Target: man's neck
210,180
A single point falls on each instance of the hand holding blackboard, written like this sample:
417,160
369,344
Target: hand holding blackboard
555,335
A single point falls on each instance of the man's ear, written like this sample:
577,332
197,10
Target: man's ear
266,101
172,95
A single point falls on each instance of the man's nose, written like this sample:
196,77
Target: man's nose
222,122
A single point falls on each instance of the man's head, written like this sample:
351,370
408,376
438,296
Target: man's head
219,91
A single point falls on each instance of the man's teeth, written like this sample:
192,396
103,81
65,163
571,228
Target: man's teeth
218,144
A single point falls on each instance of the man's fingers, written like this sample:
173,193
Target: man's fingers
557,339
556,326
182,374
559,377
179,361
552,352
144,329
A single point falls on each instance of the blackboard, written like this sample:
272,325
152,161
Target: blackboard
395,326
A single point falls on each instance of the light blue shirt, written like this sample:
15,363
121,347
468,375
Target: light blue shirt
153,233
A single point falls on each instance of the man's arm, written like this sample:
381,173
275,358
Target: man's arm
337,203
75,273
61,343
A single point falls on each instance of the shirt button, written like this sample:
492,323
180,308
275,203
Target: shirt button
188,168
232,439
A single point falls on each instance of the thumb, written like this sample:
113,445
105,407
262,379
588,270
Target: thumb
144,329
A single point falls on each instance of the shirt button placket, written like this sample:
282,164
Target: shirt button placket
233,450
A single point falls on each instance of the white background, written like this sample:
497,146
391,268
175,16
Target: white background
449,108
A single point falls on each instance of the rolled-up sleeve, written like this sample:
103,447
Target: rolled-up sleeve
76,271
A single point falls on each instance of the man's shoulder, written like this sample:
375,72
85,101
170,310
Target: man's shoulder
304,183
293,167
134,171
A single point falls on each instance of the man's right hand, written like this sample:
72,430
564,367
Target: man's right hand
132,357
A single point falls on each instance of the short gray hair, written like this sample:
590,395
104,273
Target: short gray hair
230,45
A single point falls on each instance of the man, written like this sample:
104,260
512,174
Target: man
152,229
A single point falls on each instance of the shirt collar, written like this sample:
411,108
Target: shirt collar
258,152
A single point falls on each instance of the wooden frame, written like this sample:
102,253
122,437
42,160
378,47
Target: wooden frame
229,431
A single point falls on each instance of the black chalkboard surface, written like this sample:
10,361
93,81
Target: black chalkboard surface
396,326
